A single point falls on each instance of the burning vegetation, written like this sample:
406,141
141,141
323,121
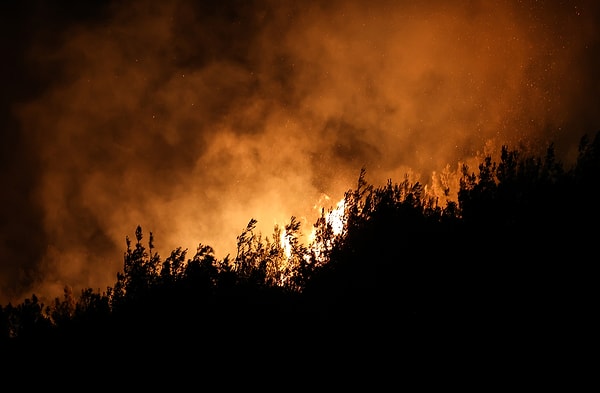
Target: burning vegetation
515,245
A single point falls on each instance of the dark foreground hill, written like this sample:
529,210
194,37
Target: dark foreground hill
498,284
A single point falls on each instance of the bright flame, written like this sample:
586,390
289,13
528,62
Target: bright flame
285,244
335,218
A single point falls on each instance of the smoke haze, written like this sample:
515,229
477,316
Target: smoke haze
190,118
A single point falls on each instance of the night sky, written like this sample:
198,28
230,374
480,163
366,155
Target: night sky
189,118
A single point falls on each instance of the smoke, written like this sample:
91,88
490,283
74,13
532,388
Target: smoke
189,119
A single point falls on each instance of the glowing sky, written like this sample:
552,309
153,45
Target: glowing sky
189,119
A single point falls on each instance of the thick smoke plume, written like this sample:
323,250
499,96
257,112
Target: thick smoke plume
189,119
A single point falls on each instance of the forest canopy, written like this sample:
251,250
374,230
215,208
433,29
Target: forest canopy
516,245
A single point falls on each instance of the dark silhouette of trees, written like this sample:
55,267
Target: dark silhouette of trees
511,256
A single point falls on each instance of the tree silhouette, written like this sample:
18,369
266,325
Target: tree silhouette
140,270
510,258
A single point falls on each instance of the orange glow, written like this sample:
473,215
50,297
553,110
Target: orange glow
190,121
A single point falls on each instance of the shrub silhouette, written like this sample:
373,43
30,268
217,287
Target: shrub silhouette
512,250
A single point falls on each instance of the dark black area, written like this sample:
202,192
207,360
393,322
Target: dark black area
499,284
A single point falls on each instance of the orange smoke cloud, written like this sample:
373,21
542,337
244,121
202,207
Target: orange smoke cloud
190,119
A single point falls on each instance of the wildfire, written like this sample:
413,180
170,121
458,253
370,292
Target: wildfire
336,217
285,244
334,220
